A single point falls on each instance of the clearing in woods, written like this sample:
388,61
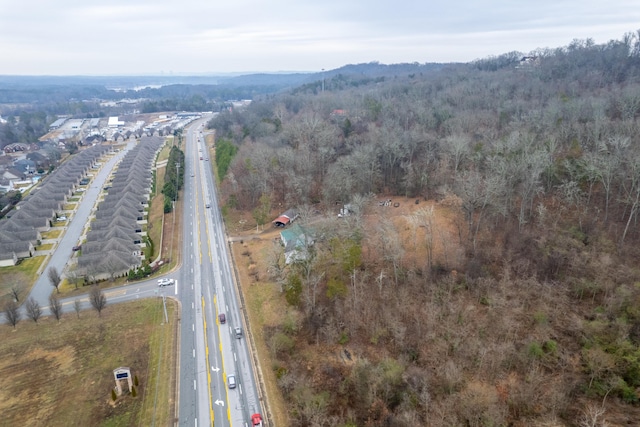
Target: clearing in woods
266,307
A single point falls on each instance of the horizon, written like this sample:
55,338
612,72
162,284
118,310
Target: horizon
161,38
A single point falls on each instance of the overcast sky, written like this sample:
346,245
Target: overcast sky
141,37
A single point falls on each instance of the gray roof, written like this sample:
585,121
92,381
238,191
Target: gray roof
108,262
112,244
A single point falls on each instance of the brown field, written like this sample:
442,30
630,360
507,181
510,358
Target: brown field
60,374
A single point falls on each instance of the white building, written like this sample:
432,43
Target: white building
114,122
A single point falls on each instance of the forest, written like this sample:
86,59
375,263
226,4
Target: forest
521,305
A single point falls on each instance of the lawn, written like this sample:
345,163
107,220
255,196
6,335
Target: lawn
61,374
51,234
22,275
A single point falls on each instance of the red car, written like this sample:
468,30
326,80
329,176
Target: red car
256,420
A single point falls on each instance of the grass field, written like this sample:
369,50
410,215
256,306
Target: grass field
61,374
22,275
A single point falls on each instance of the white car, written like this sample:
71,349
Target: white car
62,218
165,282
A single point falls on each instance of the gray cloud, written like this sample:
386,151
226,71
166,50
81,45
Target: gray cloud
189,36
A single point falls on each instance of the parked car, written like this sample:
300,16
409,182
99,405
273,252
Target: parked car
222,318
165,282
62,218
76,248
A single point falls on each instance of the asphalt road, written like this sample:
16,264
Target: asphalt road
209,351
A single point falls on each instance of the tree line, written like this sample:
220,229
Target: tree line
521,309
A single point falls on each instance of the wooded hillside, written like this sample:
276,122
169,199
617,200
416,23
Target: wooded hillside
510,294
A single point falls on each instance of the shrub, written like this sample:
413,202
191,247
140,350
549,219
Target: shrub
550,347
535,351
540,318
281,343
344,338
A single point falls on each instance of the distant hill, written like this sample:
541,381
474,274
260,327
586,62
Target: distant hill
370,69
43,89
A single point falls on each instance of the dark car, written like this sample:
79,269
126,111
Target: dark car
222,318
76,248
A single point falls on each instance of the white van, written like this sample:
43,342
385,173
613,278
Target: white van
231,381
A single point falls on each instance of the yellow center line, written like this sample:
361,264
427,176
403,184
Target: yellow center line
206,349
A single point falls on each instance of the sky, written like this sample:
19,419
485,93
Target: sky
159,37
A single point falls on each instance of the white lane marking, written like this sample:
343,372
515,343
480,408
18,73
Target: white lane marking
194,385
192,306
194,353
176,287
234,357
193,327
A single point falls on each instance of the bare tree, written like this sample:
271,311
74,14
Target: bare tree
593,416
54,277
55,306
76,307
33,309
276,262
457,147
11,313
112,269
16,291
424,219
97,299
73,277
390,245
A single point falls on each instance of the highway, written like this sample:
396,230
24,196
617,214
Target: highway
209,351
